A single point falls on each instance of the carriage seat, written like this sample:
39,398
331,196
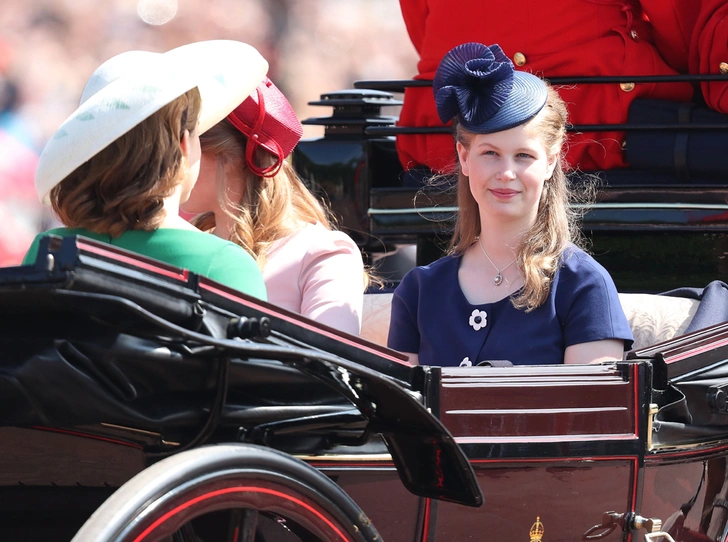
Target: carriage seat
653,318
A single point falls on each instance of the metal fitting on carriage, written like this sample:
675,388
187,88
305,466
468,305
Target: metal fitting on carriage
717,398
651,525
610,521
248,328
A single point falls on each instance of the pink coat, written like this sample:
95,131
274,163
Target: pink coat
317,273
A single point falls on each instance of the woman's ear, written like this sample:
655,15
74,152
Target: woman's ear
552,166
184,144
463,158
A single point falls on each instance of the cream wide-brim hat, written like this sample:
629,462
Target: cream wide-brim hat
132,86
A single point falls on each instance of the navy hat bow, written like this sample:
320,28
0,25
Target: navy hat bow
479,85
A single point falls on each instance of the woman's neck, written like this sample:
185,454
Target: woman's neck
171,212
501,242
224,224
501,236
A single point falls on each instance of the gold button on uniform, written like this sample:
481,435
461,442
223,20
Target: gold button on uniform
723,66
627,87
519,59
634,35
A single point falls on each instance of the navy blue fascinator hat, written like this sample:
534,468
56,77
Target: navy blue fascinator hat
479,85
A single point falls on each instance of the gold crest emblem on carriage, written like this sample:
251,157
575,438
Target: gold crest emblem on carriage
537,530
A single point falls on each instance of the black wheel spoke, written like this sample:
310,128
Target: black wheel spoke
185,534
243,524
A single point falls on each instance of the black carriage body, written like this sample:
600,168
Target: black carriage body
111,362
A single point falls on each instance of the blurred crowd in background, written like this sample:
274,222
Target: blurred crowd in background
48,49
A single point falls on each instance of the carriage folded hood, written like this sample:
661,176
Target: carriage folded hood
123,347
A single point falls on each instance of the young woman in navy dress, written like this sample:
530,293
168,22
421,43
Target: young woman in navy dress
514,285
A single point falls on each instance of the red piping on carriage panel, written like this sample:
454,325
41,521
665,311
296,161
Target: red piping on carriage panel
426,520
179,274
302,323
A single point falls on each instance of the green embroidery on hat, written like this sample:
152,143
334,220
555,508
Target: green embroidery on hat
60,134
221,78
118,104
149,89
85,116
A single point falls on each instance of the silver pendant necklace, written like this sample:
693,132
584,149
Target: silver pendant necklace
498,279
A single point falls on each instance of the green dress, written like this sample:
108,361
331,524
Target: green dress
199,252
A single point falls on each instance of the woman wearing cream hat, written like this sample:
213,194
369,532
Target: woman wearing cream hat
119,167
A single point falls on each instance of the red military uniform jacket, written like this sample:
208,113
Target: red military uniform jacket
549,39
692,36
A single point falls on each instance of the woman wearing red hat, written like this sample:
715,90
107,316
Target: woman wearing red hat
250,194
514,286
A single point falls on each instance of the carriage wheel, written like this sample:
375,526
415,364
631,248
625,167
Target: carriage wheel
229,493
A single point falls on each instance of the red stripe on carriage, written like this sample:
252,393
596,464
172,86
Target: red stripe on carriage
426,521
636,392
170,271
300,322
635,468
228,490
696,351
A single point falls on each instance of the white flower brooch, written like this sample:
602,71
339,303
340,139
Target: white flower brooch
478,319
466,362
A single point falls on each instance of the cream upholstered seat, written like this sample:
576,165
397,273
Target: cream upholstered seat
657,318
653,318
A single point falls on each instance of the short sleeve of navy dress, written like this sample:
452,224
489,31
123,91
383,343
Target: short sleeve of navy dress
432,318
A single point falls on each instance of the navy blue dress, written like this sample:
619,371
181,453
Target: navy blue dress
432,318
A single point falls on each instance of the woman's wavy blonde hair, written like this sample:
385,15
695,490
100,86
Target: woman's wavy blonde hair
268,205
124,186
557,222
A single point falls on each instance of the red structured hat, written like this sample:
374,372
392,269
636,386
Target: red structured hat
268,120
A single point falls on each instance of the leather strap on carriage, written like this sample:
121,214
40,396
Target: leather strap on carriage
213,417
680,153
685,508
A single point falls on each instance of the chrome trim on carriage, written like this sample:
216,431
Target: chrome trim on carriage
346,457
140,432
646,205
654,408
695,447
413,210
598,206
